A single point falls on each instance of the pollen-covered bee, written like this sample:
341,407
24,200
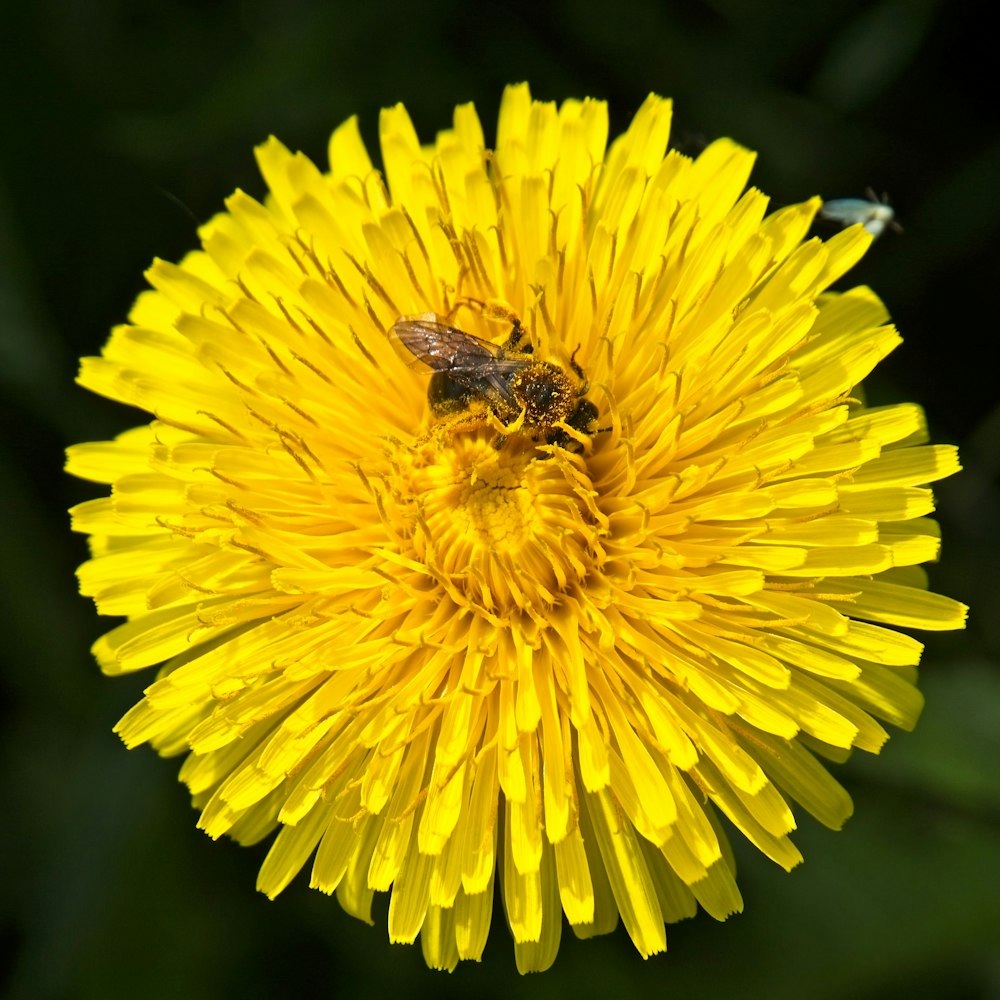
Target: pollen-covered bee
475,380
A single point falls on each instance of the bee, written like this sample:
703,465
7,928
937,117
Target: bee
872,212
476,382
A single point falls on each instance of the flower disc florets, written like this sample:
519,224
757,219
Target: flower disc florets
501,530
428,647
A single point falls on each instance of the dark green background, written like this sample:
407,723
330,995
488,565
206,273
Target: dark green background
126,123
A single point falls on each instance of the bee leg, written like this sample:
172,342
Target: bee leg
476,305
568,438
496,309
457,422
516,333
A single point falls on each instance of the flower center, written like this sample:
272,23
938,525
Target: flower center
492,505
504,528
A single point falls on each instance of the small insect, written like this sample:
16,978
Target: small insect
872,212
475,380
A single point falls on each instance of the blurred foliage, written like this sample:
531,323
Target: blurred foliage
124,124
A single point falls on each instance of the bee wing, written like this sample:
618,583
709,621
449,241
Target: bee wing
441,347
477,364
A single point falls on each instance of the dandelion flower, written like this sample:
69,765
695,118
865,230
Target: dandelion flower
449,659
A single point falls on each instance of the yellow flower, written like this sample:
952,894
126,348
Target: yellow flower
440,654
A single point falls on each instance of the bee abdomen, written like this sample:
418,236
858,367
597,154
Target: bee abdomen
446,396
